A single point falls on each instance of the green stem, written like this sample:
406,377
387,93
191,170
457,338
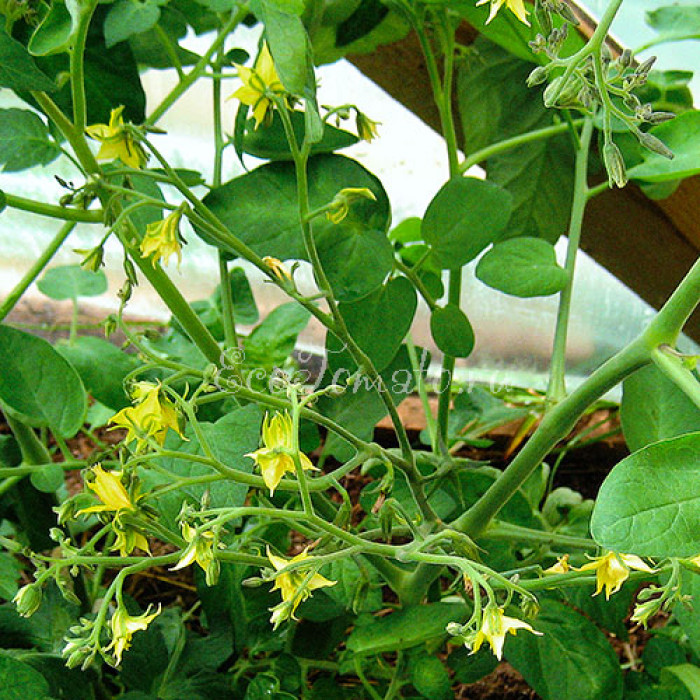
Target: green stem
422,392
507,144
681,376
227,309
35,270
557,373
554,426
33,450
55,212
507,531
77,64
188,80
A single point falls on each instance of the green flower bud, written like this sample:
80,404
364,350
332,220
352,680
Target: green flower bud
537,77
28,599
653,144
614,165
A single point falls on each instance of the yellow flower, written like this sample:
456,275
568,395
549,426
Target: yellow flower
291,585
561,567
108,487
612,570
366,127
277,268
258,83
162,239
340,206
117,141
200,549
275,458
494,627
517,7
152,415
123,627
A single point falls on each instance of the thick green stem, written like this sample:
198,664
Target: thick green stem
509,532
556,390
77,64
227,310
95,216
682,377
35,270
554,426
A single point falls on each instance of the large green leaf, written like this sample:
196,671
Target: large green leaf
463,218
38,385
572,660
261,209
682,136
689,615
19,681
405,629
429,677
654,408
54,33
24,140
649,504
71,282
271,142
522,267
17,68
674,23
102,367
230,438
10,571
378,324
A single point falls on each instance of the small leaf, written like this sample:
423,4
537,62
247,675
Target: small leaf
674,23
405,629
38,385
653,408
10,571
72,282
687,675
463,218
682,136
24,140
451,331
649,504
54,33
522,267
429,677
287,39
49,479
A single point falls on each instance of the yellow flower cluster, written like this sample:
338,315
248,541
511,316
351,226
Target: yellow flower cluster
117,141
123,626
494,627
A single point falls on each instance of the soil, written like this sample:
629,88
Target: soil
582,470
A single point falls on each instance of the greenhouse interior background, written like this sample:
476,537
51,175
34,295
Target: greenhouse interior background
513,336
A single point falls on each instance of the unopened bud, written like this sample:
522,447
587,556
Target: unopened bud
454,629
568,14
537,77
552,92
644,67
660,117
614,165
625,59
653,144
28,599
93,258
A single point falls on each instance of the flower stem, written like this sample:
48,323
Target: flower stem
95,216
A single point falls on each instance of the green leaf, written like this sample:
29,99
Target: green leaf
72,282
358,588
18,70
54,33
10,571
522,267
128,17
287,40
451,331
468,667
49,479
429,677
272,342
660,652
148,49
689,616
260,208
405,629
271,142
463,218
674,23
687,674
24,140
230,438
102,367
572,660
654,408
19,681
38,385
378,323
682,136
649,504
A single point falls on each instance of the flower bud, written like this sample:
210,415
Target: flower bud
660,117
653,144
552,92
28,599
537,77
454,629
614,165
